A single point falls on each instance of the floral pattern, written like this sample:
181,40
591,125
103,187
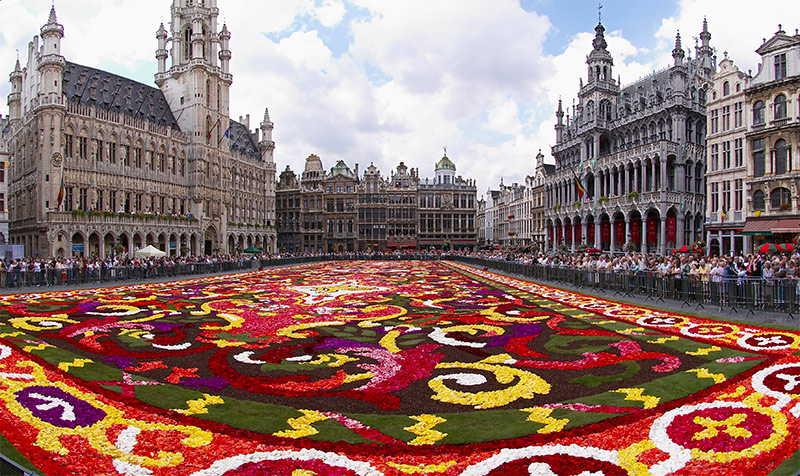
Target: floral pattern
395,368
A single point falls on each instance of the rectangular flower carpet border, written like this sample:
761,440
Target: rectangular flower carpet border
396,368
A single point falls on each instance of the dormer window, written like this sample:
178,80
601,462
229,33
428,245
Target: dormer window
726,88
780,66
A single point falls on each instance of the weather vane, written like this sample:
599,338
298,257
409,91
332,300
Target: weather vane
599,7
445,151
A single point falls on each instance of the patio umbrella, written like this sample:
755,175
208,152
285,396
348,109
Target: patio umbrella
592,250
769,248
252,249
788,247
682,249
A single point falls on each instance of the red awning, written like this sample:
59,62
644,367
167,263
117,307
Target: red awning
772,225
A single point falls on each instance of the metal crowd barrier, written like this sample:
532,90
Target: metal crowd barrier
731,293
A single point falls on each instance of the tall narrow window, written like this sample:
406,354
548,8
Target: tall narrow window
714,157
726,88
780,66
737,115
714,197
738,152
781,155
758,158
187,44
737,194
726,155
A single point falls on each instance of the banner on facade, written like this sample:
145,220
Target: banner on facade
619,233
605,232
652,231
578,233
568,239
672,224
590,235
636,231
77,247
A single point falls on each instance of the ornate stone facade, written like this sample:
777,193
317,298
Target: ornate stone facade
288,213
773,138
637,151
447,209
101,163
726,170
342,212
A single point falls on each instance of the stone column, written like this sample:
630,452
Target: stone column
679,231
663,245
612,247
584,227
627,229
645,248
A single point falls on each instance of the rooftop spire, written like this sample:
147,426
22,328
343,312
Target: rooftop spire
677,53
53,18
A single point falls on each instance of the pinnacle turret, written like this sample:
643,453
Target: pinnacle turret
677,52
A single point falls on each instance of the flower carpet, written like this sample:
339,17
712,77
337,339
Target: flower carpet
388,368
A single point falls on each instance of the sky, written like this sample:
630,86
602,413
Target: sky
380,81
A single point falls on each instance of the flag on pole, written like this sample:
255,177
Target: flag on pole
60,192
212,128
578,185
227,134
723,214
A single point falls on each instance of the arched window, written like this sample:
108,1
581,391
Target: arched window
779,107
726,88
780,199
758,200
758,113
781,154
187,44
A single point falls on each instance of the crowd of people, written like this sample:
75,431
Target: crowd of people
754,266
73,270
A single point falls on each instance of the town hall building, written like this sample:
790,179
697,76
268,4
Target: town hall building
100,164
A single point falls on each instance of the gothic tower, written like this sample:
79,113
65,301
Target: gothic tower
597,96
196,86
51,65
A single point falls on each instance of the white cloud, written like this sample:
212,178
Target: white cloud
330,13
468,74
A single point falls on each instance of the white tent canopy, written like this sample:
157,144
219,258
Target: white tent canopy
149,251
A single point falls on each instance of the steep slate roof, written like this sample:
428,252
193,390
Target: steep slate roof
104,90
242,141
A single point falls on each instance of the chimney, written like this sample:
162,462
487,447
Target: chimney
356,170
